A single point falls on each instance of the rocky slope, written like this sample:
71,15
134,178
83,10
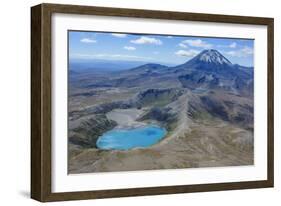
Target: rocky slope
85,132
206,105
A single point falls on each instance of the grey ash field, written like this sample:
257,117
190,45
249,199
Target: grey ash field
205,104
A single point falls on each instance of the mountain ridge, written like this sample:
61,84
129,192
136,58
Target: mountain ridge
207,70
210,58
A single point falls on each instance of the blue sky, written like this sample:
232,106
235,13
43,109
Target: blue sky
154,48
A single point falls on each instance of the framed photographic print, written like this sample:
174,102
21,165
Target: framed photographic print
132,102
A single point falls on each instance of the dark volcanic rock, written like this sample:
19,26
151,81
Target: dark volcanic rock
100,109
226,107
214,107
162,115
151,96
249,70
158,114
144,98
88,131
199,79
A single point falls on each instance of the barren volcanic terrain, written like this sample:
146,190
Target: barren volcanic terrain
205,105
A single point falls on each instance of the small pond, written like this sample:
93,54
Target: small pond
124,139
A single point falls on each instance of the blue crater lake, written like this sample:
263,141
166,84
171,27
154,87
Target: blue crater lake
124,139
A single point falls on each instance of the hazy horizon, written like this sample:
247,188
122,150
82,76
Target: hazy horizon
147,48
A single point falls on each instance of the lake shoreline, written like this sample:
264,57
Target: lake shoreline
127,139
126,118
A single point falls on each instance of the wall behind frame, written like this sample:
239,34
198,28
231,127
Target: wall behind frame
15,102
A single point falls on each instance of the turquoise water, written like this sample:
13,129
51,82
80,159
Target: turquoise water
124,139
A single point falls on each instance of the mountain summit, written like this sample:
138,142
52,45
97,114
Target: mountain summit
208,60
211,70
211,56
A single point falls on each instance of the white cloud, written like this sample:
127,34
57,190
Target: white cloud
233,45
108,56
88,40
169,37
119,35
244,52
146,40
182,45
247,50
197,43
130,48
187,53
